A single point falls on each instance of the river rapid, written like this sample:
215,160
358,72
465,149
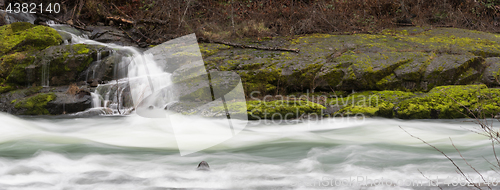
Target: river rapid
132,152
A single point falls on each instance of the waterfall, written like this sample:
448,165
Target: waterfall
96,100
45,74
120,94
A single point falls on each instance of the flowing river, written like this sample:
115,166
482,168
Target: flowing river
132,152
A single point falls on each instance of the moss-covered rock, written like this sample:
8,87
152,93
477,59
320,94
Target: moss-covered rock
491,74
13,68
370,103
22,36
6,88
254,110
282,109
444,102
409,59
447,69
65,64
35,105
449,102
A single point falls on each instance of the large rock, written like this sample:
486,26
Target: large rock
69,103
410,59
57,65
108,34
23,36
46,101
491,75
443,102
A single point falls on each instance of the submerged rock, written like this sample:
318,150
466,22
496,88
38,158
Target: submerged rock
203,166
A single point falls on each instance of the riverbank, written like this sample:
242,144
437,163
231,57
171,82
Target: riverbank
403,73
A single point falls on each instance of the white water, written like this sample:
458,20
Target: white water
139,153
133,152
143,76
45,74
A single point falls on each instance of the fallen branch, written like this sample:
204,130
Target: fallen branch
120,19
459,170
403,24
248,46
151,21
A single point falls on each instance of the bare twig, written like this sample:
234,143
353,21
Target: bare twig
247,46
151,21
429,179
468,163
185,11
120,11
451,160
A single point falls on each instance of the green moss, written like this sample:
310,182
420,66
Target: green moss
447,102
85,64
385,110
12,67
370,103
6,88
25,36
35,105
208,50
279,109
81,49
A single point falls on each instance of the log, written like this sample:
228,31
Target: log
120,19
248,46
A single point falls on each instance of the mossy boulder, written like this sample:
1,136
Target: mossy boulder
39,100
443,102
491,75
13,68
34,105
452,69
369,103
23,36
65,64
253,110
449,102
408,59
282,109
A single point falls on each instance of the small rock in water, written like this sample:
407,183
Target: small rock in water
203,166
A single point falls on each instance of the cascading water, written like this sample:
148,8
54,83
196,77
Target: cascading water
45,74
111,94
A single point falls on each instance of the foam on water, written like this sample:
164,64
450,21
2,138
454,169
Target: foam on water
140,153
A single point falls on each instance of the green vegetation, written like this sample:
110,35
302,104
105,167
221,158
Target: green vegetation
444,102
22,36
6,88
35,105
448,102
279,109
